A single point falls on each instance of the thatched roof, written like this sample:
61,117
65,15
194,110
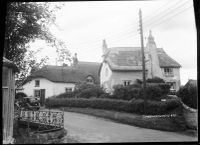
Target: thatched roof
130,59
68,74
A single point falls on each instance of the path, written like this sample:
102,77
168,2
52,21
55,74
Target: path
89,129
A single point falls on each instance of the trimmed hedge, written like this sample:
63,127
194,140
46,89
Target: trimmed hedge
134,106
20,95
154,91
188,96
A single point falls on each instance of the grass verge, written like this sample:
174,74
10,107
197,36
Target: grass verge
165,123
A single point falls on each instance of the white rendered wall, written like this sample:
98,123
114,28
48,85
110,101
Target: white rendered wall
59,88
29,87
51,88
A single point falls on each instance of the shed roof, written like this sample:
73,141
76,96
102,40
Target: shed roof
67,74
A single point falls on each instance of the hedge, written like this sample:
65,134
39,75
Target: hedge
134,106
154,91
188,96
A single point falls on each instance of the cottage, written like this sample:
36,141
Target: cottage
8,95
53,80
123,65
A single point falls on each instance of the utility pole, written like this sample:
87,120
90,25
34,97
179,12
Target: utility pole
143,60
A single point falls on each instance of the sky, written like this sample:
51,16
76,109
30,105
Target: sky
83,26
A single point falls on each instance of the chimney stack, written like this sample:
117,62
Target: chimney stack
75,60
104,47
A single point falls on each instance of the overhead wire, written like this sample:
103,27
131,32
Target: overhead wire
112,37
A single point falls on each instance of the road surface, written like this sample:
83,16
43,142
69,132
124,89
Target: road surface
90,129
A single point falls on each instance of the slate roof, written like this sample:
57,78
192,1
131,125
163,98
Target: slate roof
68,74
130,59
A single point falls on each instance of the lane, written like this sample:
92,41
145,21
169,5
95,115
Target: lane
90,129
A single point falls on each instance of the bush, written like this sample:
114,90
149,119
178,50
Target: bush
155,80
154,91
134,106
127,92
188,96
20,95
66,95
88,90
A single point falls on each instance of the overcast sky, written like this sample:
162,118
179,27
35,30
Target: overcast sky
83,26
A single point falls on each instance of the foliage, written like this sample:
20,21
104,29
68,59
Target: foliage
26,22
127,92
154,91
155,80
188,96
134,106
20,95
84,90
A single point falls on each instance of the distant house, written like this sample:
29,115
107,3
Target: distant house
54,80
123,65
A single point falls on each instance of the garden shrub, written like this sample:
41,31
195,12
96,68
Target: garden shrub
85,90
133,106
20,95
155,80
188,96
66,95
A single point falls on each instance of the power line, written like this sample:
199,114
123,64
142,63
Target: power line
162,15
156,24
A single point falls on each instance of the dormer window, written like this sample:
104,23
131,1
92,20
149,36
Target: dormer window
90,80
168,71
37,83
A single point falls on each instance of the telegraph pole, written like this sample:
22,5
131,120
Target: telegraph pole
143,60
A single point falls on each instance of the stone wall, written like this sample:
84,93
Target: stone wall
190,116
43,137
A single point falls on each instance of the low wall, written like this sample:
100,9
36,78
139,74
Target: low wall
191,117
49,136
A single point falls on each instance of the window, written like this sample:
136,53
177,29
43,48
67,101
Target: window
37,93
168,71
89,80
37,83
68,90
127,82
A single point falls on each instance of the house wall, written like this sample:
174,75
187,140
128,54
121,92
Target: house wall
59,88
174,78
29,87
51,88
119,77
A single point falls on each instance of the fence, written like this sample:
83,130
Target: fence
50,118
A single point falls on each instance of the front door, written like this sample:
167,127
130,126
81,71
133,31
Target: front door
42,97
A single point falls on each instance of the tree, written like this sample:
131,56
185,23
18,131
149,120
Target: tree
25,22
30,65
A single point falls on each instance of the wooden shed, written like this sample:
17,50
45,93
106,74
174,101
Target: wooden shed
8,94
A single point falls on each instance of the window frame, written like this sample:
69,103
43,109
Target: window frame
168,71
126,82
67,90
36,83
